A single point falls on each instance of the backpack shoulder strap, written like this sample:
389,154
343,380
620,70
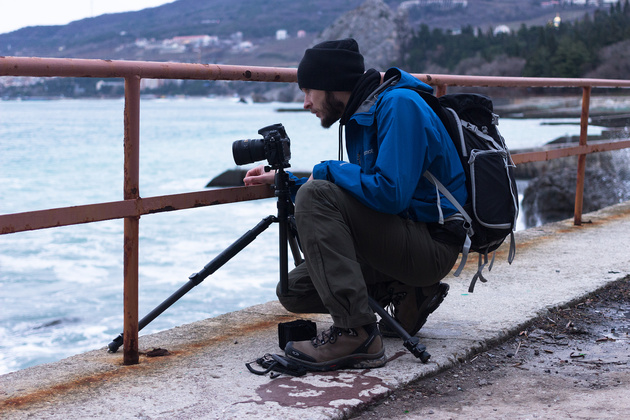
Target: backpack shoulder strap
468,220
449,118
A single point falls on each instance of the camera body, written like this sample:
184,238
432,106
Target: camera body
275,146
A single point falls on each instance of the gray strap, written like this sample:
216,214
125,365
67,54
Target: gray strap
483,260
479,133
494,254
512,252
465,252
439,205
469,230
448,195
458,123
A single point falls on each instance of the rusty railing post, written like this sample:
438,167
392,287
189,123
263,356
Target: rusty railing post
131,192
440,90
581,167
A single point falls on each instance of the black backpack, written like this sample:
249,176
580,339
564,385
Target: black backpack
492,207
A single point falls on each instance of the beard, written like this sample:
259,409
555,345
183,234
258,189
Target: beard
332,110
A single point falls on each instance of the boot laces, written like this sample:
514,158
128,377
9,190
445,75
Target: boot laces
330,335
395,301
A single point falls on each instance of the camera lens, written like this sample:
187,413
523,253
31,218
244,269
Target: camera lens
248,151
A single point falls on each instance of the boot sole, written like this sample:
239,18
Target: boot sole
435,303
357,361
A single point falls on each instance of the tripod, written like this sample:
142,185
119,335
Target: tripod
287,237
284,219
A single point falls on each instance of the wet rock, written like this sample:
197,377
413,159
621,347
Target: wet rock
550,197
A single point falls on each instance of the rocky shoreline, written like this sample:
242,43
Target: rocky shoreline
550,194
561,106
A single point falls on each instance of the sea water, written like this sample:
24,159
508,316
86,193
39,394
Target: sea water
61,289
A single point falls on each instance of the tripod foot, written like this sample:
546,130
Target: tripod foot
418,350
115,344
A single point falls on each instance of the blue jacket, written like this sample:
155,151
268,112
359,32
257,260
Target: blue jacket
391,140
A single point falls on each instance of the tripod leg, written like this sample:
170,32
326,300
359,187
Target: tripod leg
295,251
285,207
411,343
197,278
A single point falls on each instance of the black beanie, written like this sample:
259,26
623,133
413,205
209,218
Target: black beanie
332,66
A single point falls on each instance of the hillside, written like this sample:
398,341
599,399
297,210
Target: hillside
108,36
244,30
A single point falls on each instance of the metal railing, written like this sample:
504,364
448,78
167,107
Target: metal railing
133,205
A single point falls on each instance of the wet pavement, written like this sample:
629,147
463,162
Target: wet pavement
204,374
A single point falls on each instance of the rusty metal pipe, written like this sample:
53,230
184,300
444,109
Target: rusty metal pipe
72,67
581,166
131,226
130,292
491,81
440,90
65,216
561,152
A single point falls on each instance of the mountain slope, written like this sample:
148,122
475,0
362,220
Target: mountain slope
113,36
254,18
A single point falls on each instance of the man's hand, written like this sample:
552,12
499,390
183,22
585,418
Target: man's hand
258,176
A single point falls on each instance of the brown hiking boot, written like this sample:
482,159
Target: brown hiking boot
410,307
338,348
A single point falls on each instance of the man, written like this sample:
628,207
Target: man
370,226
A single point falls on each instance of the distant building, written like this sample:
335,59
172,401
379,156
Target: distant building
111,84
150,83
19,81
281,35
443,4
501,29
196,40
170,47
244,46
301,34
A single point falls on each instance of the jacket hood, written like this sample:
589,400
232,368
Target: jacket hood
398,78
394,77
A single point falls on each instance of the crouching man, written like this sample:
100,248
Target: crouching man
369,226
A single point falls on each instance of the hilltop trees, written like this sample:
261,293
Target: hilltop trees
596,46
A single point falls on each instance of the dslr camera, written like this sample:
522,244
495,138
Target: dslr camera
275,146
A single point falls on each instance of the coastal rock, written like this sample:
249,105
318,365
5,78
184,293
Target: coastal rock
380,32
289,93
551,196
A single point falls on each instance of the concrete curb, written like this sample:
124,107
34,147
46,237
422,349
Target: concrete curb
205,376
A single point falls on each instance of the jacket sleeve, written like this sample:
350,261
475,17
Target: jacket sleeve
294,184
403,130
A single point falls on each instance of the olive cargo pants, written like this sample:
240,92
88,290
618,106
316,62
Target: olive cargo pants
349,247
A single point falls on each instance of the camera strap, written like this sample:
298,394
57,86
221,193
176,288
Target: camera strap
340,142
276,365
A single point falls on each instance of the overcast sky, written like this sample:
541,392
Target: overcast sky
16,14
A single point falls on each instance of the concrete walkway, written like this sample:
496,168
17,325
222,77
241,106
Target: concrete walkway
204,377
